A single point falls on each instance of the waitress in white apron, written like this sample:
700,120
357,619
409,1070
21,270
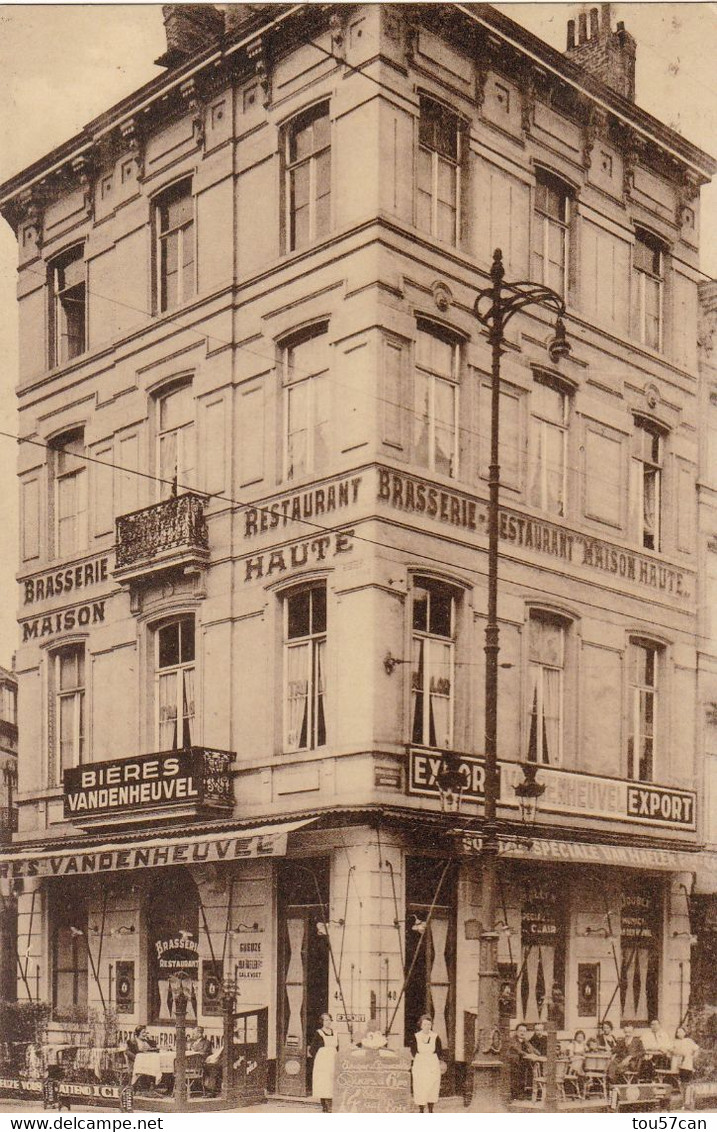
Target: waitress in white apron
426,1069
323,1051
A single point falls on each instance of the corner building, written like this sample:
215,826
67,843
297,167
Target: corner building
252,586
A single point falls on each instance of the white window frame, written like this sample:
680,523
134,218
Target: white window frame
545,223
656,470
179,671
186,230
541,425
60,297
539,694
636,731
433,641
640,282
308,383
451,382
75,480
315,642
321,110
76,697
185,474
436,158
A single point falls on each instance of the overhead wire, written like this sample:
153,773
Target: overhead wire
240,504
317,528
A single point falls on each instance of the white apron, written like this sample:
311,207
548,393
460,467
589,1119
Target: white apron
426,1069
322,1079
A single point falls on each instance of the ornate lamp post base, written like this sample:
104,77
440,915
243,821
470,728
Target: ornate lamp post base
488,1085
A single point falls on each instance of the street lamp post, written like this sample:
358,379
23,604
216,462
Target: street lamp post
494,307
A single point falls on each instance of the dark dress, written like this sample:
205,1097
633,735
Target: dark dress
521,1071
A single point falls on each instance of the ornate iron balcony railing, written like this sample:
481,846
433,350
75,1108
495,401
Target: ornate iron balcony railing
174,530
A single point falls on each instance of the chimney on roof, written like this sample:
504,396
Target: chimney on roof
189,28
607,54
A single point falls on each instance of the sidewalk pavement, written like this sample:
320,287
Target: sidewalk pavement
446,1104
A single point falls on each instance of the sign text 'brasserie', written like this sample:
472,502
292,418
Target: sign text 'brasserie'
458,509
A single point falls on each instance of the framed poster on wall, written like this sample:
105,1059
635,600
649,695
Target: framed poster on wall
212,978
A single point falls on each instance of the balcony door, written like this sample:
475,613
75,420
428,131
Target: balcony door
303,984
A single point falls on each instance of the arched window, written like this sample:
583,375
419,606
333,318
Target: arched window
68,311
645,663
551,231
175,684
647,284
435,441
305,366
547,641
433,663
305,668
174,236
438,181
308,176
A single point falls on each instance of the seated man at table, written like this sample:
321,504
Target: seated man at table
627,1057
521,1068
539,1040
657,1043
140,1042
199,1042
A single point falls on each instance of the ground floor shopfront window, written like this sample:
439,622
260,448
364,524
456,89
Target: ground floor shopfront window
173,945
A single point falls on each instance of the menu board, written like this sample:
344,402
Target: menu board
372,1080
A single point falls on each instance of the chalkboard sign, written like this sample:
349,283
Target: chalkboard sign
372,1080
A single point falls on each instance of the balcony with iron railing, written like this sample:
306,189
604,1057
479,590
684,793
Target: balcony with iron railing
167,535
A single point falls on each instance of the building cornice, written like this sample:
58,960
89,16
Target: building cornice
125,124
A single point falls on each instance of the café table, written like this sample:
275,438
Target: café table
153,1063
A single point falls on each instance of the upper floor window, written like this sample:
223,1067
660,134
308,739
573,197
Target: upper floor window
648,266
307,417
70,468
67,706
308,176
642,709
8,703
174,227
69,306
647,481
551,229
547,447
546,672
305,669
176,452
436,413
433,662
438,179
175,685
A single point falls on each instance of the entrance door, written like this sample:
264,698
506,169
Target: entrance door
430,952
304,964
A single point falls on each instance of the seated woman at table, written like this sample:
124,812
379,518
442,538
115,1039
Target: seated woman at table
606,1040
577,1049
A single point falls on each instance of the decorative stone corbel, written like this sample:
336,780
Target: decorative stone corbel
257,54
194,104
31,207
338,37
133,139
83,172
412,23
634,151
527,108
688,188
596,128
